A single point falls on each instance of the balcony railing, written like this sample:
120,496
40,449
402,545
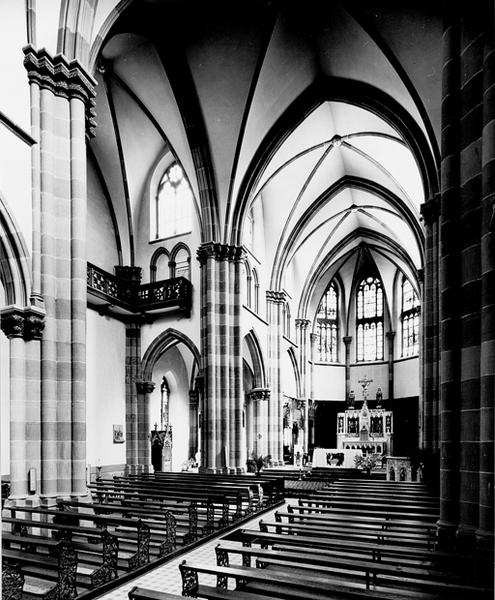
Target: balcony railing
138,298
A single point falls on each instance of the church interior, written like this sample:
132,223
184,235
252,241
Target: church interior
247,265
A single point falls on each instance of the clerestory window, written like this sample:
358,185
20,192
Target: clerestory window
327,326
173,207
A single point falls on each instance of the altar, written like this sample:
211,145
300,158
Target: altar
369,430
335,457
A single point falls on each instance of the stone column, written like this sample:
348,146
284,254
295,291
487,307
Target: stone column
23,327
144,389
259,399
62,96
133,374
302,338
449,286
193,422
430,212
221,351
275,304
484,533
390,335
347,339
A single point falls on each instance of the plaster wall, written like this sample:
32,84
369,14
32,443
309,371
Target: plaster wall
105,389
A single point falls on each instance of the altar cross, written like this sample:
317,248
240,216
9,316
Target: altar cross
365,384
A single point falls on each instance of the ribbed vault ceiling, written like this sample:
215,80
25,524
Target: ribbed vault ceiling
214,85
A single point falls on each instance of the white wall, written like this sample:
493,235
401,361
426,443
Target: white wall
378,372
406,378
101,248
329,382
105,389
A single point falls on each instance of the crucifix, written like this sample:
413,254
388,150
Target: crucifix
365,384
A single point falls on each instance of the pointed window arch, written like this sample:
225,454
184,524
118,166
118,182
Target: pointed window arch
369,320
172,213
256,290
327,325
409,318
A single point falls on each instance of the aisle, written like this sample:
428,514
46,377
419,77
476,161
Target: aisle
167,577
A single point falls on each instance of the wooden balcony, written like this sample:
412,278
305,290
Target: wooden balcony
125,299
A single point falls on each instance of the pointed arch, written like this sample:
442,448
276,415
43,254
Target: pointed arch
14,259
184,267
168,338
159,252
293,359
254,347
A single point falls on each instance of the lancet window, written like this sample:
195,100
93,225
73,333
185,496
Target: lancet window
369,320
327,327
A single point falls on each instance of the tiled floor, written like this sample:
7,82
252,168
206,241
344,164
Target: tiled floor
166,578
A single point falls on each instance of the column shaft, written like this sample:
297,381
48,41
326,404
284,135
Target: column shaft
18,420
78,294
487,353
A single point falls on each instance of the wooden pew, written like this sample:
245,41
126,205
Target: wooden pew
242,497
141,593
371,573
185,508
90,574
137,545
429,526
362,526
352,509
379,552
54,577
161,522
270,582
172,498
361,534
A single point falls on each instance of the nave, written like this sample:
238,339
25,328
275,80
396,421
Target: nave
347,538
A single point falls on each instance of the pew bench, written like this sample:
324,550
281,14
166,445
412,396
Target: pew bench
378,536
377,552
354,528
40,575
385,522
274,583
373,573
350,509
97,558
68,525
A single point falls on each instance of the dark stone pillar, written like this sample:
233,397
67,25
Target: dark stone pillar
449,284
430,212
484,533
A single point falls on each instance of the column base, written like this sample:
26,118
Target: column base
147,469
466,539
446,534
484,540
83,497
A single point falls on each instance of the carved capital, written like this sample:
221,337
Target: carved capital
302,323
27,323
430,210
193,397
347,339
275,296
220,252
145,387
259,394
62,77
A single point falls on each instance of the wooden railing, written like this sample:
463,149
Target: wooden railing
139,298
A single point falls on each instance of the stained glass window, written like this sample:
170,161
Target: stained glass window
409,320
327,326
174,202
369,320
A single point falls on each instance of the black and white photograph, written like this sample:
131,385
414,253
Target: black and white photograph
247,299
